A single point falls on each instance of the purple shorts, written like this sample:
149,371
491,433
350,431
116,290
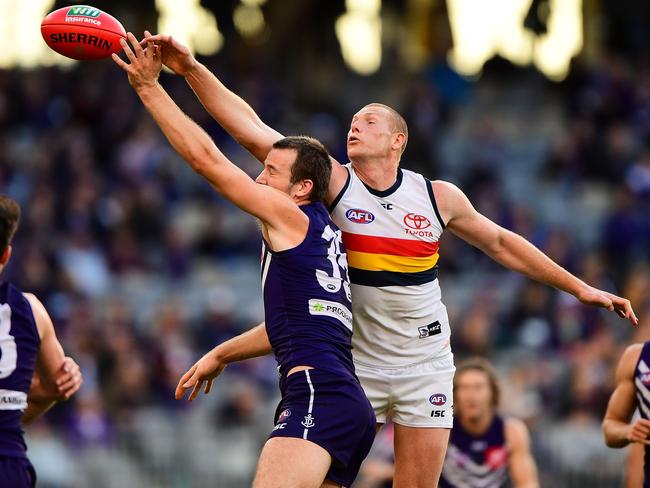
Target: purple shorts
331,411
16,472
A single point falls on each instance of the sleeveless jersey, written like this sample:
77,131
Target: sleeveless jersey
307,299
392,238
19,344
642,385
476,461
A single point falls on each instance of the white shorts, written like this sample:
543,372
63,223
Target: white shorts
420,395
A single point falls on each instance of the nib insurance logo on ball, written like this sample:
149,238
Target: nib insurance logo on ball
84,11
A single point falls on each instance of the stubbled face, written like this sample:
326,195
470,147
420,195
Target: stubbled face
473,395
277,170
371,133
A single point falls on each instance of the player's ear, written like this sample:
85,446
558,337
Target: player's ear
4,258
399,139
304,188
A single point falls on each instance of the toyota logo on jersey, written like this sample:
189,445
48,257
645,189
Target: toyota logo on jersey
416,222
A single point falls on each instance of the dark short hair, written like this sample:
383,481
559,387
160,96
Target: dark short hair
482,365
312,163
9,217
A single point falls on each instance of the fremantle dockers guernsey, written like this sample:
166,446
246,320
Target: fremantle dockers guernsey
642,385
307,299
392,238
476,461
19,343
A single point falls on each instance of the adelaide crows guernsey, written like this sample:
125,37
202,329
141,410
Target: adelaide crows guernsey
19,343
476,461
392,239
307,299
642,385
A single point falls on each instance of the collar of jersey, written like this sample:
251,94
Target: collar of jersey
387,191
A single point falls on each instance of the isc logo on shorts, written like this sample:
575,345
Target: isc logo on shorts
429,330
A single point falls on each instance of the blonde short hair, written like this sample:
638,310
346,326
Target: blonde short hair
398,122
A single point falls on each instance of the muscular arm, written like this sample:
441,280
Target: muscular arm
523,469
273,207
616,424
248,345
516,253
232,112
49,362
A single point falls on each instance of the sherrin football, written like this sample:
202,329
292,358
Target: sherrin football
82,32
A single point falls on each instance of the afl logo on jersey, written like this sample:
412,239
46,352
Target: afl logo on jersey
416,222
438,399
359,216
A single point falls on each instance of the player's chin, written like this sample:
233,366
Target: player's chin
354,150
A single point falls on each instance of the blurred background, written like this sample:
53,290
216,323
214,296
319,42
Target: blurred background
538,109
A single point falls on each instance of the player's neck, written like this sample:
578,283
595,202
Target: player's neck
379,175
479,425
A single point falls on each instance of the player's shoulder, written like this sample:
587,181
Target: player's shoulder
515,431
41,317
33,300
445,187
628,361
339,182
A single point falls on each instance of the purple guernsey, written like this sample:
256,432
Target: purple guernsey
307,299
19,343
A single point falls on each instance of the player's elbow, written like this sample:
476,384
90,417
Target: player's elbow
497,245
612,440
201,160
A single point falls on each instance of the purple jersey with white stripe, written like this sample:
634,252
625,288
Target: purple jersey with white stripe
19,344
642,385
476,460
307,299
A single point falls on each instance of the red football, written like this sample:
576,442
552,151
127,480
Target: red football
82,32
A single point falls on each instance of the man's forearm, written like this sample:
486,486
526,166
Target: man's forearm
517,254
616,433
186,136
35,409
231,112
250,344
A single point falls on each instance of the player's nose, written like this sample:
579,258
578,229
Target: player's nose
261,178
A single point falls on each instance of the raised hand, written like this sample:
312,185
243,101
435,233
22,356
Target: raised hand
175,55
145,64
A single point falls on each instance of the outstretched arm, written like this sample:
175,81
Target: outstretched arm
190,141
231,112
514,252
250,344
616,424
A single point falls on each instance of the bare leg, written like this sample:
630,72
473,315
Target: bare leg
419,454
288,462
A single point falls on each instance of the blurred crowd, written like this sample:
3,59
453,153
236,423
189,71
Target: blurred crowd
144,268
